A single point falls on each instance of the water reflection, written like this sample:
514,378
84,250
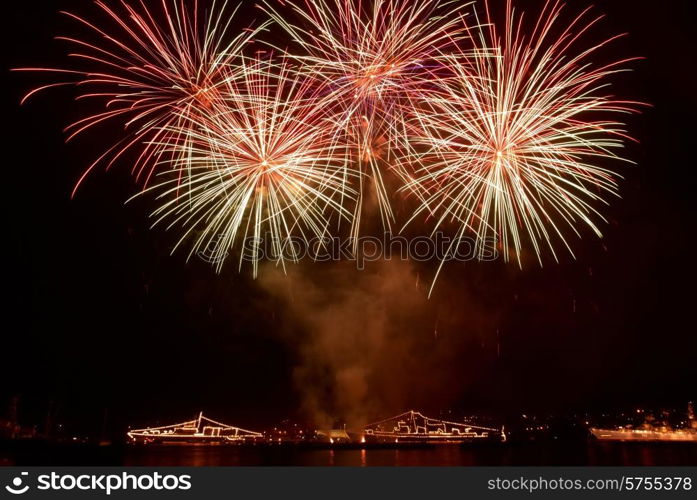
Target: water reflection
526,454
551,453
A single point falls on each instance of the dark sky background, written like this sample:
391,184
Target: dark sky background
97,314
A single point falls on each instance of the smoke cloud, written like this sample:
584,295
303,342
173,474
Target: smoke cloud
370,343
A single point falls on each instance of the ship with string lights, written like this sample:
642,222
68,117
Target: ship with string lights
414,427
199,431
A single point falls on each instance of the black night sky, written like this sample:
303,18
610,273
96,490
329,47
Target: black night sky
98,315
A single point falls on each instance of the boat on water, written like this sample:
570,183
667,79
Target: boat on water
651,432
200,431
656,434
414,427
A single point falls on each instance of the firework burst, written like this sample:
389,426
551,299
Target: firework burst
515,146
150,70
372,61
510,133
259,168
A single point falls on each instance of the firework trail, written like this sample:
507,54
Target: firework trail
373,60
150,70
515,146
261,167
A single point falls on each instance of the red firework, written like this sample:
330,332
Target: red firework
150,70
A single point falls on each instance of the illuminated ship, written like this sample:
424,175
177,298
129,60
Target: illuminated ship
649,432
413,427
201,430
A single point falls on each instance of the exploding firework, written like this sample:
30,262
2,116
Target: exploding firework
515,145
151,70
373,61
510,134
260,168
371,51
